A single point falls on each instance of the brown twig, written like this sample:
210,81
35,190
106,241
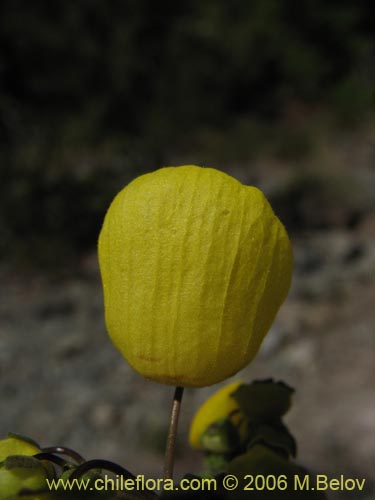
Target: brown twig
172,434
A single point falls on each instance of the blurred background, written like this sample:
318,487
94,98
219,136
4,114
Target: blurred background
92,94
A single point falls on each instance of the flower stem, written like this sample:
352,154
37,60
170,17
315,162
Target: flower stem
172,434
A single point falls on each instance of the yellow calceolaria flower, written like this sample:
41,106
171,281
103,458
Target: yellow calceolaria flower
16,445
22,476
218,407
195,266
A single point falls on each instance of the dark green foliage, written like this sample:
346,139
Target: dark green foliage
263,462
262,404
94,69
221,437
276,437
93,92
264,400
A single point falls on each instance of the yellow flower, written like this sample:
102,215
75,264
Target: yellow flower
14,479
217,407
16,445
194,267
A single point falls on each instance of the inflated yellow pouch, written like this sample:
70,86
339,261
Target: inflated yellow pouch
194,266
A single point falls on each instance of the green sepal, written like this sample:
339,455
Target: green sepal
221,437
264,400
22,462
215,463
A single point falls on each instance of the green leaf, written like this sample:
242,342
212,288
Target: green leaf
91,475
276,437
75,495
193,495
262,462
264,400
80,495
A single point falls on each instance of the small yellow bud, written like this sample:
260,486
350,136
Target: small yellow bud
22,476
16,445
194,267
218,406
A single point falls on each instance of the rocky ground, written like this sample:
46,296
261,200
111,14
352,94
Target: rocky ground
63,382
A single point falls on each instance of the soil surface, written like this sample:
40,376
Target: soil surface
62,381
